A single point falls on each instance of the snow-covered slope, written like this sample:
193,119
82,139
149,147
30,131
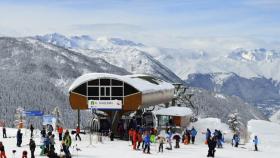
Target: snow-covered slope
211,104
275,117
267,132
124,53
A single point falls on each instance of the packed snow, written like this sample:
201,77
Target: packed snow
268,134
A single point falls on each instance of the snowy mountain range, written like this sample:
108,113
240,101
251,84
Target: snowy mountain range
36,75
123,53
136,57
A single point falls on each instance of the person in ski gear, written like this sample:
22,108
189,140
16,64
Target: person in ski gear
256,142
31,130
193,134
169,140
161,141
67,143
47,143
236,139
134,139
78,130
139,139
43,132
4,132
207,135
177,140
2,151
19,138
147,142
60,132
52,142
130,134
219,137
24,154
120,129
32,147
211,146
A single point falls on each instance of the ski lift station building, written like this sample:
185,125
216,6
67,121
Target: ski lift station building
110,92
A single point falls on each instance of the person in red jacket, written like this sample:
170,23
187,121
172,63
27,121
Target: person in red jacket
130,134
78,130
134,138
2,150
139,139
60,132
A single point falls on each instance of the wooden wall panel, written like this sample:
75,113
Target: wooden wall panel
78,101
132,102
177,120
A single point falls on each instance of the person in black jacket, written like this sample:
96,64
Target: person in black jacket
43,132
211,145
19,138
32,147
4,132
31,130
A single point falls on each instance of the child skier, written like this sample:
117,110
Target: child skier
161,141
256,141
147,142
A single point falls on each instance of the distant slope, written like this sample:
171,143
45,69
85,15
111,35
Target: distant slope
123,53
216,105
36,76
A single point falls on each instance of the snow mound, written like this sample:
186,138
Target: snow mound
267,132
212,123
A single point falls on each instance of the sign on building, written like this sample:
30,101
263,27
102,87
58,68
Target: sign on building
34,113
48,120
105,104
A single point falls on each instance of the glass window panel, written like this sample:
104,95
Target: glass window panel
93,91
105,82
117,91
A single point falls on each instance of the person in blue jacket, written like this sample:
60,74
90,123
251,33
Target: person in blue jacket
193,134
147,141
236,139
256,142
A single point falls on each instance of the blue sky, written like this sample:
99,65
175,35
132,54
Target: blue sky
198,24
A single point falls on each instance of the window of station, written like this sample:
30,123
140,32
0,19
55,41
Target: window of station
105,82
117,83
93,83
117,91
106,89
93,91
82,89
129,90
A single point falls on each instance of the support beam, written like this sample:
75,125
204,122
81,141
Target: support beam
79,118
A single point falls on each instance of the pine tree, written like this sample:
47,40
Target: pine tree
234,122
56,112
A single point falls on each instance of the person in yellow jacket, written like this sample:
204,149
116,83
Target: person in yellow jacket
66,143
